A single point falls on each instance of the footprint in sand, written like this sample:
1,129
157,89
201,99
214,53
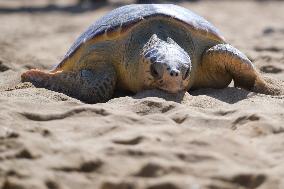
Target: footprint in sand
248,180
117,185
151,169
83,167
52,184
164,185
270,30
269,49
18,152
7,133
270,69
244,119
3,67
129,141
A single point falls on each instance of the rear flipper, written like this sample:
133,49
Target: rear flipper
86,85
222,63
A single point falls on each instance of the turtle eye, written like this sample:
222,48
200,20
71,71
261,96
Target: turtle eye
154,71
153,59
186,74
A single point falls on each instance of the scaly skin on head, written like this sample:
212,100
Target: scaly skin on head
167,65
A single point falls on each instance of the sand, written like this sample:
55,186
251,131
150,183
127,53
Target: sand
205,139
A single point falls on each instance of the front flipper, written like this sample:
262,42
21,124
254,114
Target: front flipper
222,63
91,86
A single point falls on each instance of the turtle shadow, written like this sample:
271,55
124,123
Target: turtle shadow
230,95
179,97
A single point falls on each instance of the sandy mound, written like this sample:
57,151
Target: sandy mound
214,139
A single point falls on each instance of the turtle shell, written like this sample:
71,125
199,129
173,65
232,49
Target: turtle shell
122,19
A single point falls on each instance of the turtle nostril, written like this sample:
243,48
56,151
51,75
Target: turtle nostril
174,73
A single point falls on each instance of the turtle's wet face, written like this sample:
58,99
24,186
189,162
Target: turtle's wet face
167,65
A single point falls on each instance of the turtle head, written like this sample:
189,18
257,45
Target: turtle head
167,65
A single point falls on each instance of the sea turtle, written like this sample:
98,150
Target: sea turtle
137,47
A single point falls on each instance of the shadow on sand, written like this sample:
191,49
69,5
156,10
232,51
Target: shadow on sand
160,94
230,95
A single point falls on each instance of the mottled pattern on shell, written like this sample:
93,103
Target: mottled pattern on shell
129,15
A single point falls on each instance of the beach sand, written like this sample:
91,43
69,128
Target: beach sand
213,139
